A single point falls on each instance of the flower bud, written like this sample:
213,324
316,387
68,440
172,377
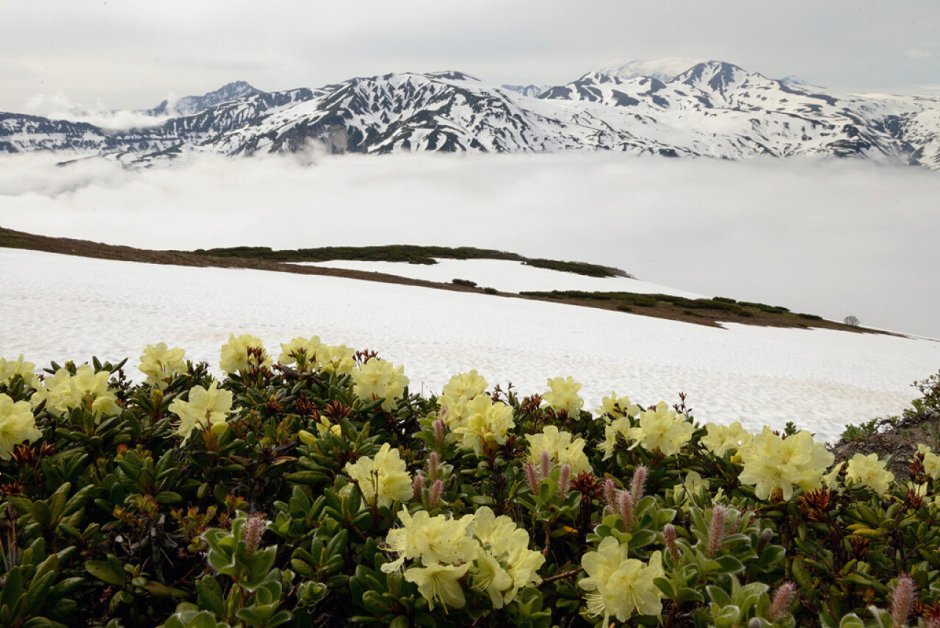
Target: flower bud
434,465
434,495
254,529
669,537
783,598
638,483
625,508
716,531
417,485
610,494
439,433
564,479
902,600
545,465
531,478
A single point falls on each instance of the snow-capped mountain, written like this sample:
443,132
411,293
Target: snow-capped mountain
189,105
713,109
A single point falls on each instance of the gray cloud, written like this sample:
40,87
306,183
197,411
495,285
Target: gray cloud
828,237
133,53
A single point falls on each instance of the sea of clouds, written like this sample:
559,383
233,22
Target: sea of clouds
830,237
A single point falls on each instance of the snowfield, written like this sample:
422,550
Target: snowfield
504,275
58,307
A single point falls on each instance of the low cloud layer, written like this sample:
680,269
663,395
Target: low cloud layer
829,237
58,106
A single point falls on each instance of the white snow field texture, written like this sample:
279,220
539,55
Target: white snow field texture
504,275
56,307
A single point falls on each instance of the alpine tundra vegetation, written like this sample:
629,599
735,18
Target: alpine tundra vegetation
319,489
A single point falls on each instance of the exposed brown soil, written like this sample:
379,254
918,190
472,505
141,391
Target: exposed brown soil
701,316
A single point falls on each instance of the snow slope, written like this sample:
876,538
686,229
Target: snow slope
71,307
505,276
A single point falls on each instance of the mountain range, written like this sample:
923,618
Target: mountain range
711,109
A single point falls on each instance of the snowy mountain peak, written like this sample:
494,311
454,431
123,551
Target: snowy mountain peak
711,109
714,75
661,69
189,105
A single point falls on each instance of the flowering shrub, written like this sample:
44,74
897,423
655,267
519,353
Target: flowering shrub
319,489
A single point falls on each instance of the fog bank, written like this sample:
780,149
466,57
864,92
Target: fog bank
829,237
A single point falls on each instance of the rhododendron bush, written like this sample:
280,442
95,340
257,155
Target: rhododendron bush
317,488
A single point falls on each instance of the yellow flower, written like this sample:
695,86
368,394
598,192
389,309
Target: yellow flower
438,539
205,409
160,363
831,479
338,359
455,399
463,385
562,448
10,369
619,427
870,472
931,462
383,479
63,392
487,422
616,407
774,464
618,585
662,429
17,424
378,379
310,348
234,355
439,583
724,438
504,562
562,396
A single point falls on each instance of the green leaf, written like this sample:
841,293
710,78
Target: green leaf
108,571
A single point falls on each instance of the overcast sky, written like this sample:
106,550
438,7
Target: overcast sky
133,53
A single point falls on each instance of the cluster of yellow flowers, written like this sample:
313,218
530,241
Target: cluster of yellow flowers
160,363
870,472
318,356
618,411
442,550
931,462
378,379
205,409
721,439
235,356
383,478
63,392
662,430
562,449
17,424
562,396
618,585
487,423
458,392
11,368
776,464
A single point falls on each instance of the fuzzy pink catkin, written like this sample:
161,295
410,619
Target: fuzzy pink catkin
439,433
545,465
783,598
531,478
902,600
638,483
669,537
564,479
417,485
625,508
434,464
716,531
610,494
434,495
